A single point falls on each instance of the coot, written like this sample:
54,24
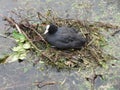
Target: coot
63,37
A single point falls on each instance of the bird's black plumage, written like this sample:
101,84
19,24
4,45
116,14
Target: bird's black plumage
64,37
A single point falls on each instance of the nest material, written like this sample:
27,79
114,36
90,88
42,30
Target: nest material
90,55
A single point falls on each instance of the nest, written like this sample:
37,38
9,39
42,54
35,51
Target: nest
90,55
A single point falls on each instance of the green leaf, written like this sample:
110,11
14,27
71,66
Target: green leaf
19,48
104,65
26,45
41,62
16,48
18,36
22,56
12,58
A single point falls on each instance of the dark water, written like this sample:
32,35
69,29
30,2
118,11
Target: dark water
21,76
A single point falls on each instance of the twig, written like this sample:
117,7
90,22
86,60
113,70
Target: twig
63,81
47,57
113,34
95,55
40,15
31,42
19,30
18,15
6,37
42,84
106,25
36,33
93,39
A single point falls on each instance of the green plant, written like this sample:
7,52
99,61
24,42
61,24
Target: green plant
21,49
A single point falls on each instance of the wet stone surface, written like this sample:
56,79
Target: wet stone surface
21,76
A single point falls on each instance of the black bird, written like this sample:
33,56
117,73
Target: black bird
64,37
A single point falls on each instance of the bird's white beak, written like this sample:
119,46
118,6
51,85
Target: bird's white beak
46,31
47,27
